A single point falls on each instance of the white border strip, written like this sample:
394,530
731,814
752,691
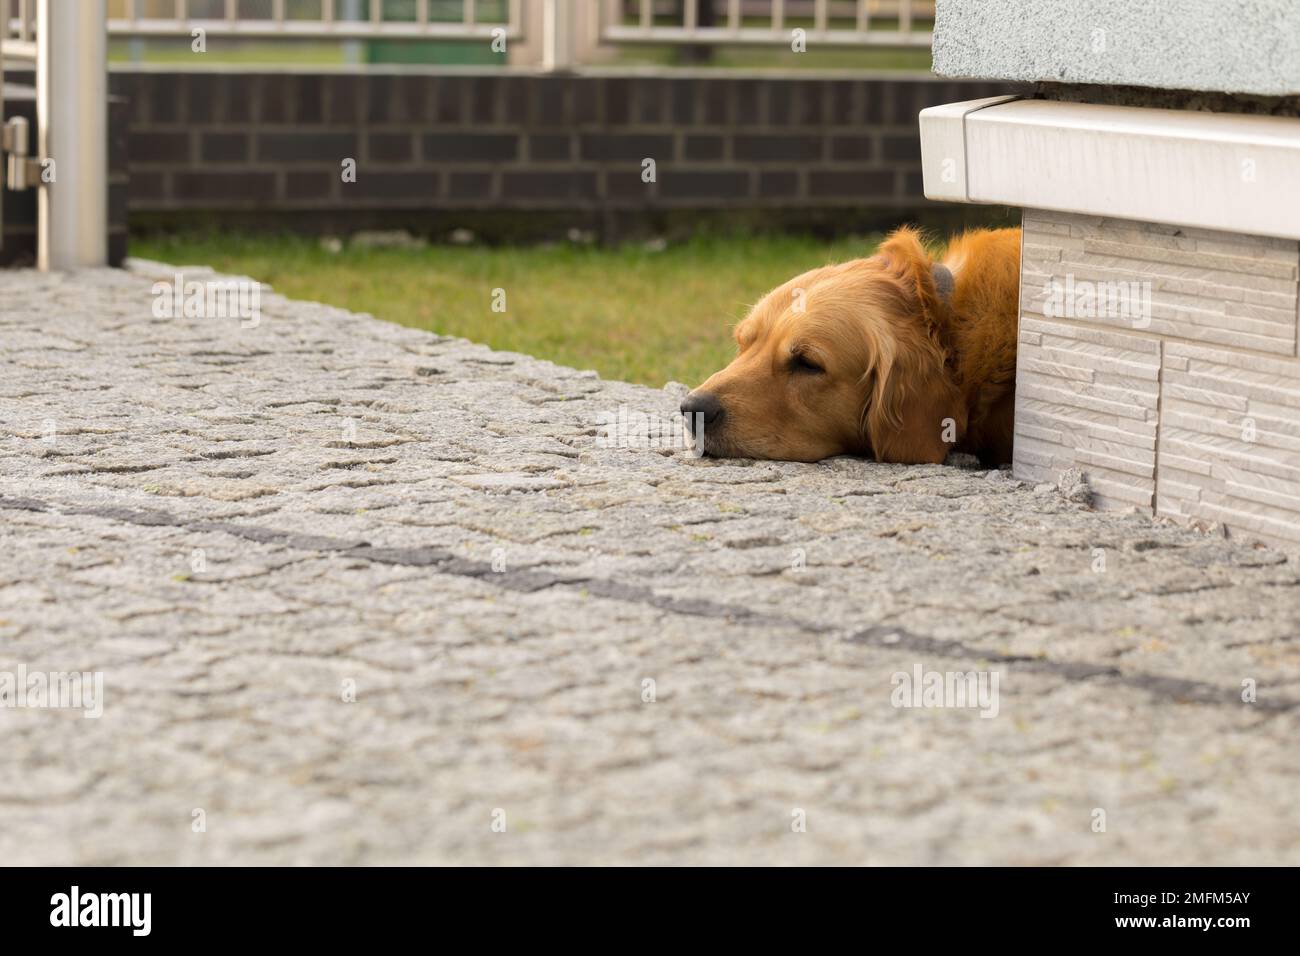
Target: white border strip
1234,172
943,147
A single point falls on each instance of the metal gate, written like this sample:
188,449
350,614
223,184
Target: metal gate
66,157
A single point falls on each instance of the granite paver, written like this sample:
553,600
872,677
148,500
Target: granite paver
364,594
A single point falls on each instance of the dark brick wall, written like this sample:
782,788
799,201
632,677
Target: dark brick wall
18,245
231,144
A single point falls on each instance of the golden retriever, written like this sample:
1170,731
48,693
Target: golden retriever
895,357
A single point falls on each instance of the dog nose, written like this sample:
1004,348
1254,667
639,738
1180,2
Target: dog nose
704,404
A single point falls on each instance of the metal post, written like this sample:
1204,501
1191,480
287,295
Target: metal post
558,22
353,51
72,116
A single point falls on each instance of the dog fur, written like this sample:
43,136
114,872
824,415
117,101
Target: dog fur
894,357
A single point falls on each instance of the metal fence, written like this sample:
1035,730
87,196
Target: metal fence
319,19
18,30
768,22
561,34
67,40
66,43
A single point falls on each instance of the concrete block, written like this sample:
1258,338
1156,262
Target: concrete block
1193,412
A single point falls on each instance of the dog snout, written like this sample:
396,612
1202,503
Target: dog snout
704,404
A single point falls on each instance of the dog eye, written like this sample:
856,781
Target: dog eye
802,363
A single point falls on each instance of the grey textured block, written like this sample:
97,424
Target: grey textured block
1230,441
1087,398
1191,284
1191,45
1190,407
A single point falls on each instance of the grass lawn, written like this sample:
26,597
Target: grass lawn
629,312
288,51
172,50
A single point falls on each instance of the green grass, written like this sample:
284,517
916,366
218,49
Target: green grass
628,312
243,51
220,51
781,58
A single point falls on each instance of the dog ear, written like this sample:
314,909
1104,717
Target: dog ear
929,282
913,412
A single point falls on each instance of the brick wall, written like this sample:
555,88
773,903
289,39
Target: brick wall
229,143
1189,405
18,243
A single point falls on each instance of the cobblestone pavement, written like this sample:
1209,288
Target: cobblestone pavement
242,528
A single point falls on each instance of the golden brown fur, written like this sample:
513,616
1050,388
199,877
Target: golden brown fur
874,357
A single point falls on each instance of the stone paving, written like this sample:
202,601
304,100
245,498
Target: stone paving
363,594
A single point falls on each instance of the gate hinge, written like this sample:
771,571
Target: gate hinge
21,170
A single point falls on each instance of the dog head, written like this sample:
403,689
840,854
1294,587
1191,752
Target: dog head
846,359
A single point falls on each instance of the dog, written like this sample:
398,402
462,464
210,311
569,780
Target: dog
895,357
